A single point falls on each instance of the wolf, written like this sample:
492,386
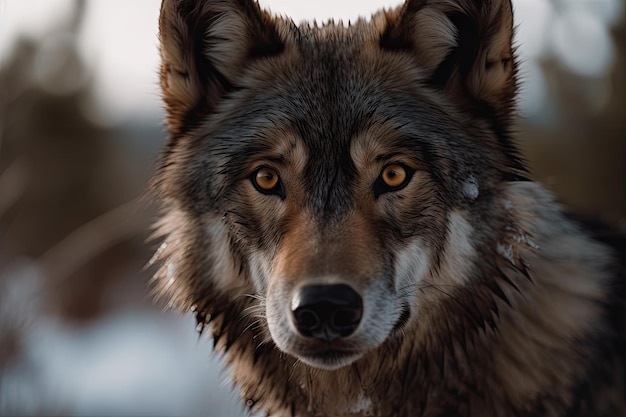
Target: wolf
344,208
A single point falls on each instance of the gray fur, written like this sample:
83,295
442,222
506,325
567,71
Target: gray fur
481,298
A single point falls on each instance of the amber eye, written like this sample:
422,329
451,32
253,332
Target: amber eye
266,179
393,178
394,175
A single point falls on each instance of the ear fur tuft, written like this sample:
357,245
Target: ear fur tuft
204,47
464,47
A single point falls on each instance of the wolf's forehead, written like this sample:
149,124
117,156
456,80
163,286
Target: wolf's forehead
335,115
330,110
332,157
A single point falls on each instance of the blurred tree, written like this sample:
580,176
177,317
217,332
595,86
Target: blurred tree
60,171
582,155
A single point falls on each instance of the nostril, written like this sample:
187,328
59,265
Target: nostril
346,319
306,320
327,312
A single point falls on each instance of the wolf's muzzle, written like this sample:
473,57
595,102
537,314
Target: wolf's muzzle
326,312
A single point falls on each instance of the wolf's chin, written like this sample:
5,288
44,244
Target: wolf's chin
330,360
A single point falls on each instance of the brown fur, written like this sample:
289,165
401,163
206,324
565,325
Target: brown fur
482,298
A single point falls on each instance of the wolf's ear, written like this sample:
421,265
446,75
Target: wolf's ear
205,45
464,47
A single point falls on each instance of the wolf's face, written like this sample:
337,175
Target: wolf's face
322,183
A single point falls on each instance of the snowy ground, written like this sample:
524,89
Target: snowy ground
131,363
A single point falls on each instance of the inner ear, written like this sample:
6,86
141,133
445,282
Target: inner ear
463,47
205,46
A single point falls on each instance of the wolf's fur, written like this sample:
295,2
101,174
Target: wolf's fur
480,297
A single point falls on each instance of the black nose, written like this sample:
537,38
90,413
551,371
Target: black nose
327,312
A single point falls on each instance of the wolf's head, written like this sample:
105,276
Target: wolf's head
323,185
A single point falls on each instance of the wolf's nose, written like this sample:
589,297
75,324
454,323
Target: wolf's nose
327,312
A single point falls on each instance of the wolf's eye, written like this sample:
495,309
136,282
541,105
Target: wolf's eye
267,181
394,177
266,178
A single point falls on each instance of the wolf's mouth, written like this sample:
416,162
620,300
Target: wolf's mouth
330,359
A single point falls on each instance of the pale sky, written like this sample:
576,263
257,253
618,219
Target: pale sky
119,40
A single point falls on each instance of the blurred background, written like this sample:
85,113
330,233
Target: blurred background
80,128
